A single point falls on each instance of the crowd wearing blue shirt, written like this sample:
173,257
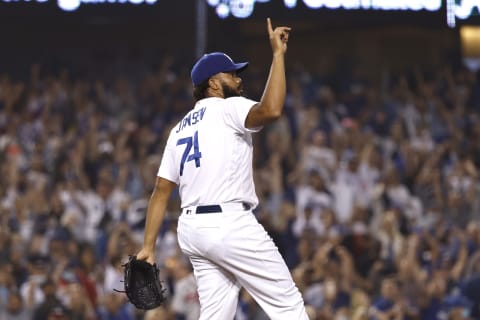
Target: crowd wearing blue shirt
369,186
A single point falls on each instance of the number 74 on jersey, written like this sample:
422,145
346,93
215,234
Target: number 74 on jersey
196,155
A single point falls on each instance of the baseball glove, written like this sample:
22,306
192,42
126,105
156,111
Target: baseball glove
142,284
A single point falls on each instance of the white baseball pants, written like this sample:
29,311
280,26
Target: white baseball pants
230,250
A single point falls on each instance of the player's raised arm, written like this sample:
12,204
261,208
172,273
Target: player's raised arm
271,104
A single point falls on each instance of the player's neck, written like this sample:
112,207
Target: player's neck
214,93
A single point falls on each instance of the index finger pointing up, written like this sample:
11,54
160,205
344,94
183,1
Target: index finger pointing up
269,26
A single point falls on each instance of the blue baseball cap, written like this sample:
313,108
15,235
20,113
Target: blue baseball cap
212,63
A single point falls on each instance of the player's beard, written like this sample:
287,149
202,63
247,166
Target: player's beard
231,92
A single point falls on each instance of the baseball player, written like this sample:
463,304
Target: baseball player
209,155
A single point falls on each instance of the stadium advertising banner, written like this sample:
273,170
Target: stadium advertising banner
456,9
241,9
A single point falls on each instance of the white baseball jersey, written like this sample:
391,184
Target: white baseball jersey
209,153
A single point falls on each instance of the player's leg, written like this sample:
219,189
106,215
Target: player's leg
273,288
255,261
217,290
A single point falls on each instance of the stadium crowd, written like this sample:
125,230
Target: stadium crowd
370,189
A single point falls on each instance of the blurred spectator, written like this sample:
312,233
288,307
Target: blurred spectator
50,306
88,273
33,289
370,190
157,314
388,305
14,309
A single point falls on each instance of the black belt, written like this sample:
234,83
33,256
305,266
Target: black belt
216,208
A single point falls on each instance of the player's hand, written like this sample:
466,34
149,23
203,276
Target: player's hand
147,255
278,37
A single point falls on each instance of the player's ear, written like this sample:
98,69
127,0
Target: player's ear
214,83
